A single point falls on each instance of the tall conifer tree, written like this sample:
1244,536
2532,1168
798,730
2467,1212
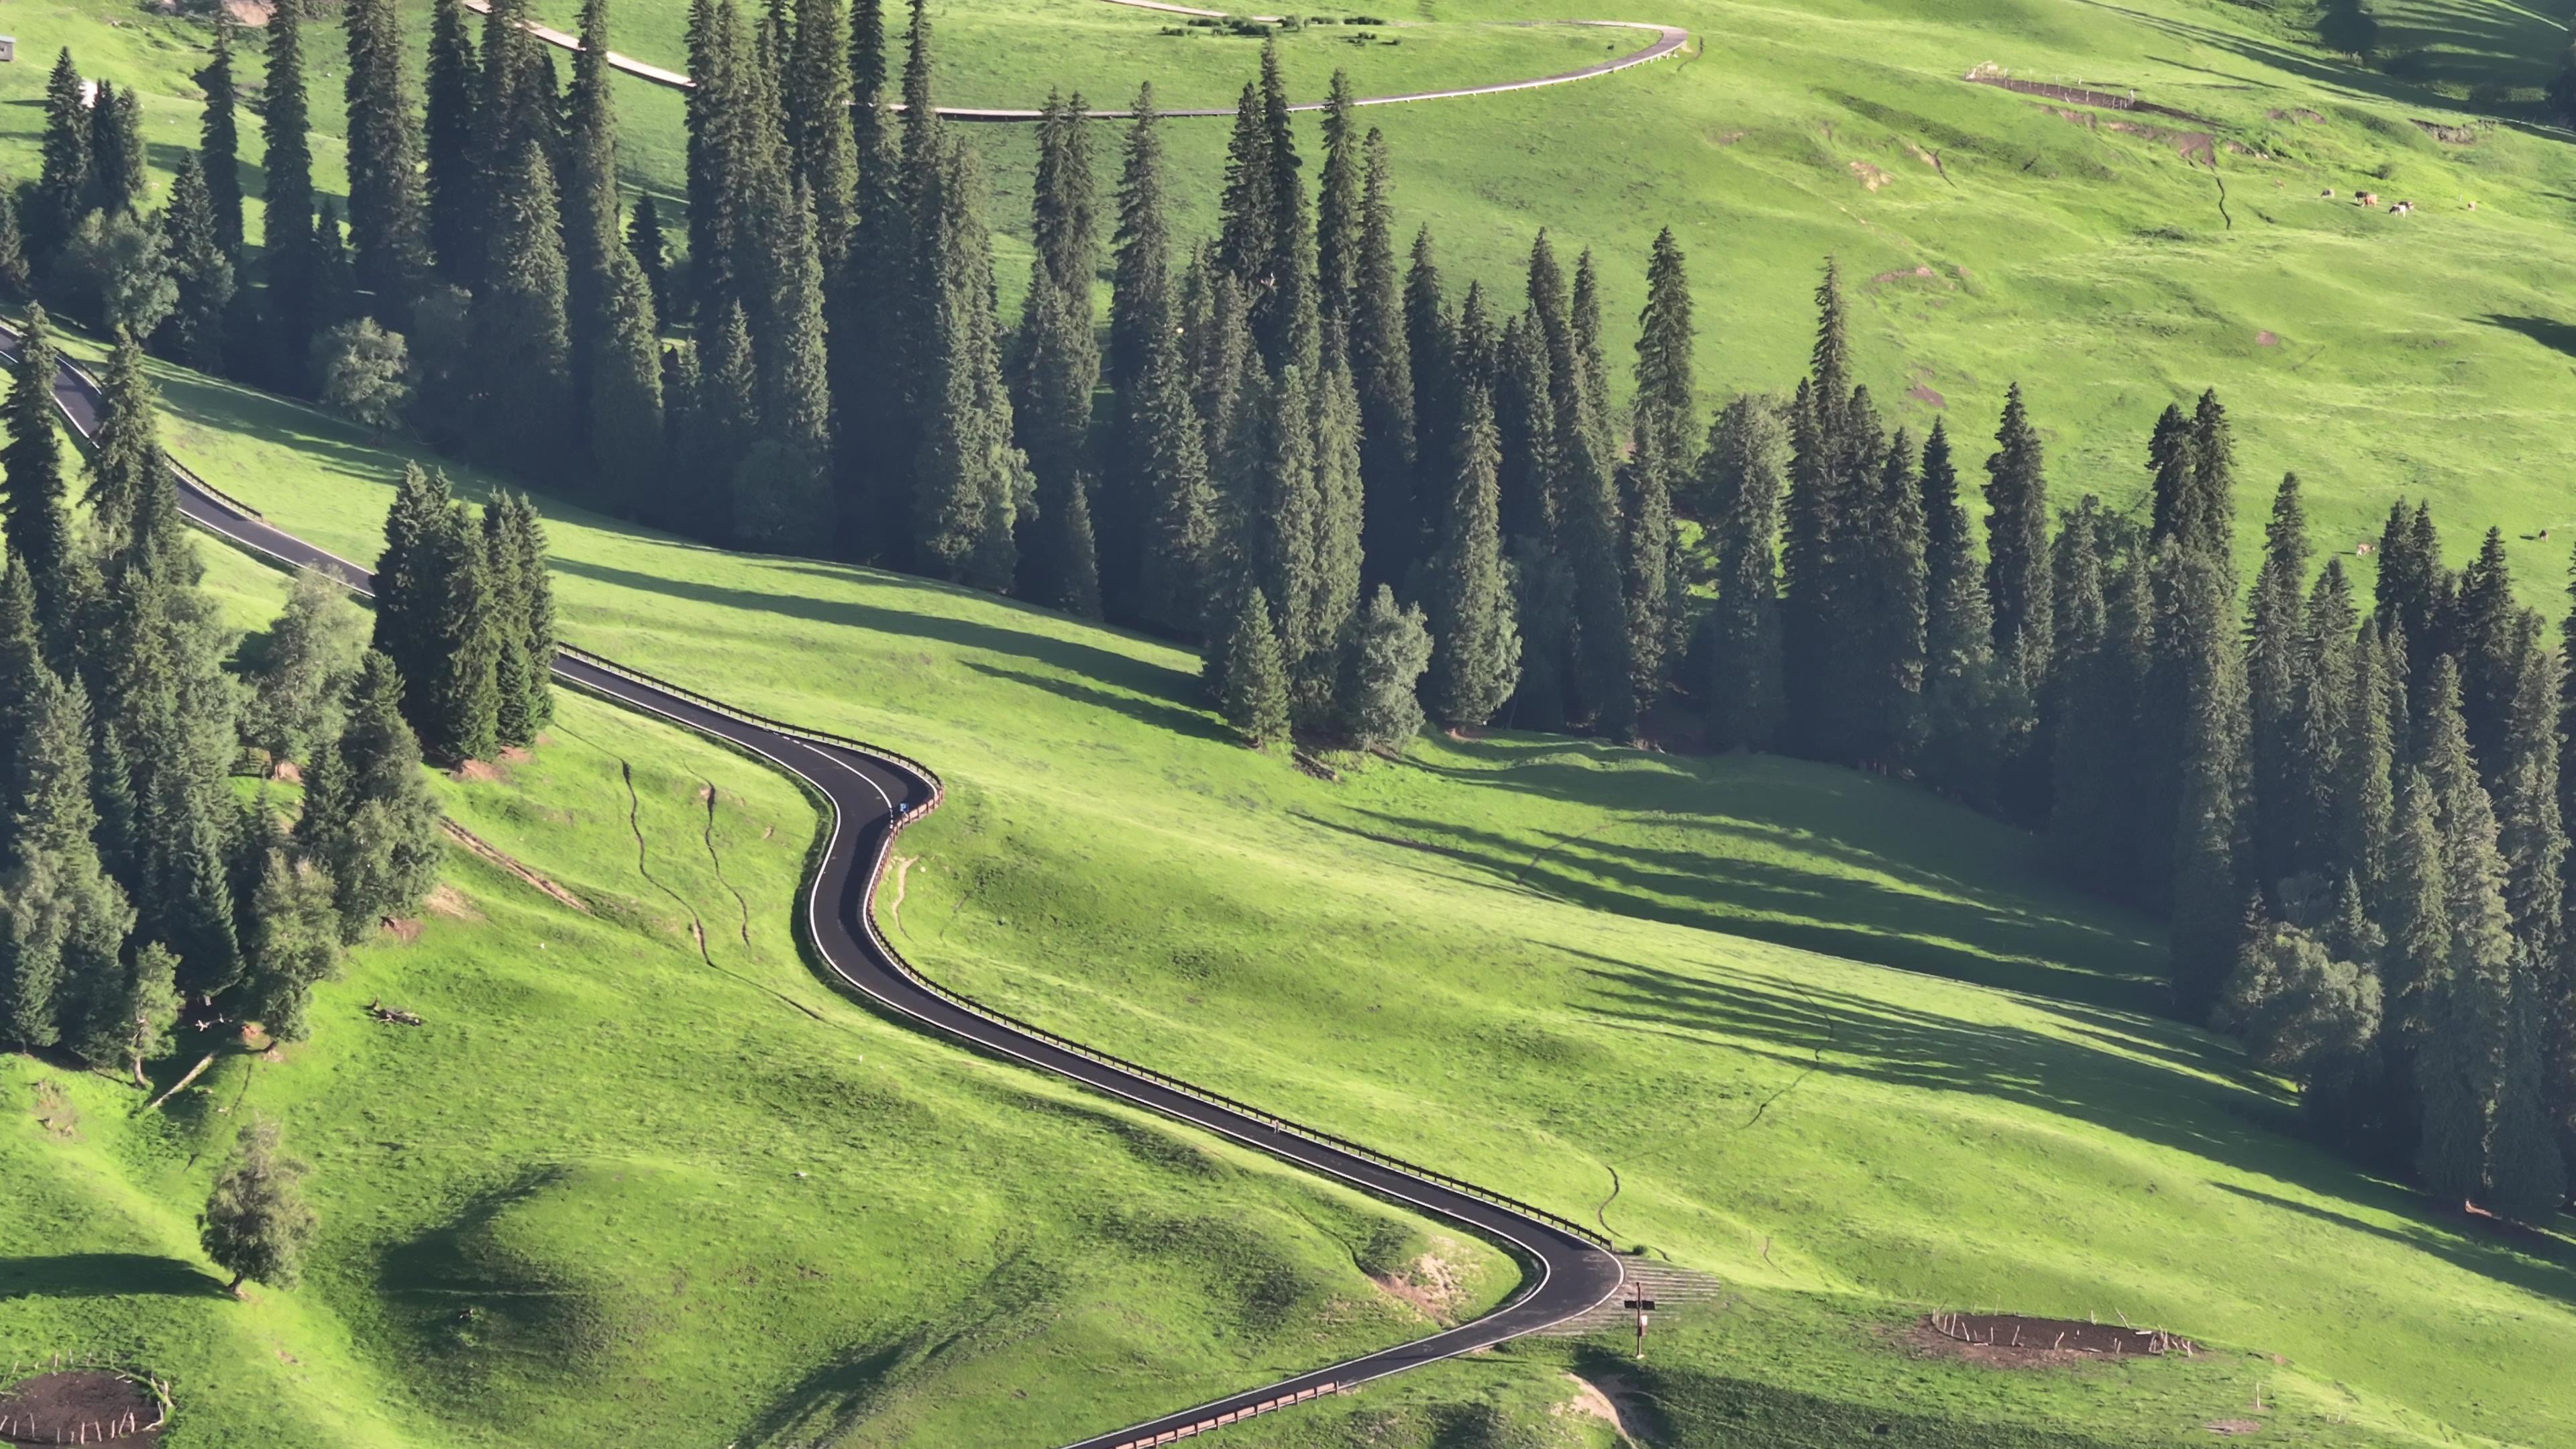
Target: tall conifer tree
1740,478
1398,526
33,512
388,216
287,213
219,138
448,139
519,327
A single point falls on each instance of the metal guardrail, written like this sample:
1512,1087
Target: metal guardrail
968,1004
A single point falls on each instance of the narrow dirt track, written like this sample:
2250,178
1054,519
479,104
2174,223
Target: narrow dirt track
874,794
1668,40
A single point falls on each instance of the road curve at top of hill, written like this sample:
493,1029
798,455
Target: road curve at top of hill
874,794
1668,40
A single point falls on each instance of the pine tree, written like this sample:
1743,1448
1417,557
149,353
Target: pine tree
116,174
1267,240
1177,571
2409,589
2017,544
1524,417
1740,478
1663,428
1826,475
2526,1170
449,132
1318,682
2276,675
1143,314
293,268
1395,532
873,382
1891,575
2485,631
1963,744
723,420
520,336
969,479
2531,824
125,466
335,283
523,605
431,610
651,251
627,457
826,159
219,139
1606,672
1338,208
2415,918
388,214
717,115
21,660
2311,761
369,820
17,283
1251,680
1431,347
1056,360
593,247
1390,649
256,1224
2098,817
33,514
194,332
2208,888
62,182
1476,644
293,944
1271,512
2363,783
61,919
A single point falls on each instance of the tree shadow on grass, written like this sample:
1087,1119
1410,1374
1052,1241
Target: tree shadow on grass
2549,332
105,1275
2149,1100
1954,937
1152,713
2542,1265
1143,677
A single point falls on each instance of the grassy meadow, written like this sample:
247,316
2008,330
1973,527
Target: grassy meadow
1987,237
1844,1047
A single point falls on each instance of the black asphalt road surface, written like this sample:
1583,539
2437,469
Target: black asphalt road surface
874,794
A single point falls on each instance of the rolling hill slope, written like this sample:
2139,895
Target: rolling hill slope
1843,1046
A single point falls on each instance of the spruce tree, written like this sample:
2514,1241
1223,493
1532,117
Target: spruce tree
1056,360
2363,783
724,418
1664,428
1176,573
61,919
2208,888
1395,532
116,175
193,334
2017,544
2276,676
1524,416
826,158
592,243
1318,681
1476,644
782,493
1891,579
873,383
388,214
1252,680
652,252
1142,316
21,660
2312,761
17,283
293,945
521,345
2408,595
2531,824
1827,474
33,513
1740,479
523,606
219,139
1606,674
628,462
449,131
1338,207
432,610
293,269
256,1224
969,478
1390,649
1431,347
1962,746
2097,814
2485,632
719,110
2415,919
130,1013
62,180
369,820
1272,513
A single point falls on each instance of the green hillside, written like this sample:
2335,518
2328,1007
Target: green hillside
614,1191
1845,1047
2375,354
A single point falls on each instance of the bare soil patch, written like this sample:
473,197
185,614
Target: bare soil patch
82,1406
446,900
1430,1283
478,772
1597,1401
2009,1339
2267,338
1870,176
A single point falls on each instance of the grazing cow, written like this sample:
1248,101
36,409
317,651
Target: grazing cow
2365,198
2326,195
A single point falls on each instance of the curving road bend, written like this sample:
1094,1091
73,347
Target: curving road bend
1668,40
874,794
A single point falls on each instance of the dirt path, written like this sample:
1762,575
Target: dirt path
1669,40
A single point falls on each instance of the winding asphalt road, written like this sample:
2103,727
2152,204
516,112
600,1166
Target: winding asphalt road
1668,39
874,794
